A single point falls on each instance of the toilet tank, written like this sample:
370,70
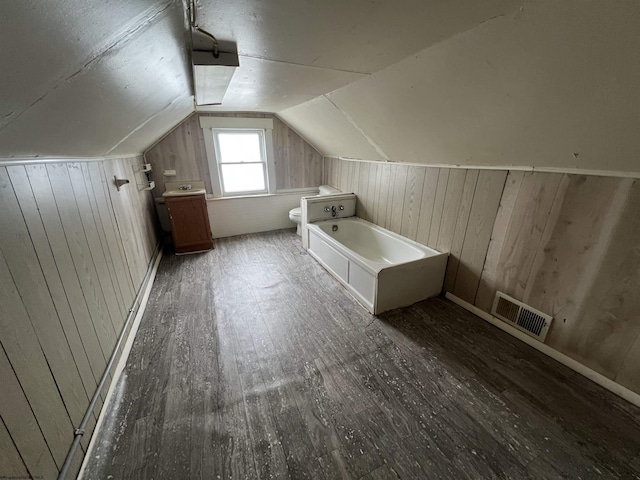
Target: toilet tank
328,190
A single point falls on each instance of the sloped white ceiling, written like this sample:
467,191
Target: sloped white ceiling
292,51
552,84
465,82
90,77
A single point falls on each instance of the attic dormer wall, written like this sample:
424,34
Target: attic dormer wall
297,164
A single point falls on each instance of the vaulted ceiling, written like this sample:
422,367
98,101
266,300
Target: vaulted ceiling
90,78
467,82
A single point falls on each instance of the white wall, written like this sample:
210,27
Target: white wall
555,84
237,216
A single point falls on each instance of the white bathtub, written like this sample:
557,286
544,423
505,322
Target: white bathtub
382,269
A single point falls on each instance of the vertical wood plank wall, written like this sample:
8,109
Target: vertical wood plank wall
568,245
73,252
297,164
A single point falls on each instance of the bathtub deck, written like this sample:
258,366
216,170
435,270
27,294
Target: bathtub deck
252,362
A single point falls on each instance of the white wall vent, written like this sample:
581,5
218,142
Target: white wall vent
531,321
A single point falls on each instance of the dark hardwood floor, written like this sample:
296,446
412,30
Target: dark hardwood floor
252,362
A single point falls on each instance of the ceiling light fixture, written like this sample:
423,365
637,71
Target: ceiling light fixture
212,70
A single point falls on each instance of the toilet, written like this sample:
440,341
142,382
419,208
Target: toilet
295,214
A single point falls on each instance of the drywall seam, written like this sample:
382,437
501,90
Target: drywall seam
355,125
515,168
266,59
574,365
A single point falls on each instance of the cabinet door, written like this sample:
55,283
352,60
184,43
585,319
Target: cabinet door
189,223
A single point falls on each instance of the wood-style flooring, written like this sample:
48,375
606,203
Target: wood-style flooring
252,362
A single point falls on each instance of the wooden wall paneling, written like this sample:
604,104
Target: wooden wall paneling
194,140
143,210
427,203
530,214
388,200
462,222
363,204
628,373
608,323
280,163
487,287
94,198
20,342
380,192
412,201
295,158
61,250
25,432
326,170
397,200
335,166
112,236
181,150
81,254
450,208
596,313
11,464
26,271
125,207
375,198
355,177
313,165
486,199
336,172
438,206
35,227
344,175
92,234
569,244
327,167
300,165
371,177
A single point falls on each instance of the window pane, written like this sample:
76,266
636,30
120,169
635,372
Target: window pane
243,178
239,147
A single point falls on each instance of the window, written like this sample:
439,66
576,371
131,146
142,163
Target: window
241,160
240,155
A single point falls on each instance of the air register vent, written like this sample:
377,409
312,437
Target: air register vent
523,317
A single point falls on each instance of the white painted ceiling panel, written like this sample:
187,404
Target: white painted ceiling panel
321,123
554,85
43,44
82,76
356,35
269,86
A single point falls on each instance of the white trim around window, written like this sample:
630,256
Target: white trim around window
208,124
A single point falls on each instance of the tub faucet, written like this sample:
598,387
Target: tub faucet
334,212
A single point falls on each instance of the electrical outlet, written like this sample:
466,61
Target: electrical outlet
169,173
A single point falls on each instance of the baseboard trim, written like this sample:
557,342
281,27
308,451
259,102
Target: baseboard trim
574,365
126,349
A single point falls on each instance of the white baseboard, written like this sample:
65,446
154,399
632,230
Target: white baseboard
592,375
123,358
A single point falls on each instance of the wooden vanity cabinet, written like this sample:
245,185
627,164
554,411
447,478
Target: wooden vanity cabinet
189,223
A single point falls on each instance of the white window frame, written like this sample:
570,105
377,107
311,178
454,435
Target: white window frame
209,124
263,160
